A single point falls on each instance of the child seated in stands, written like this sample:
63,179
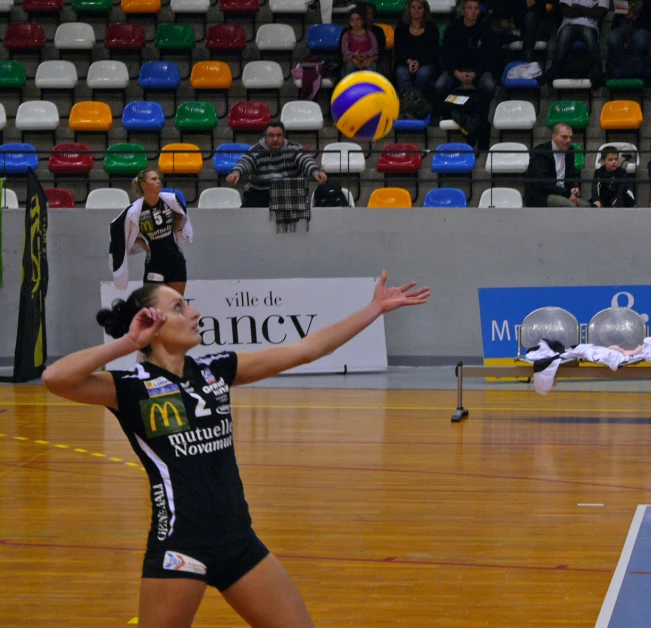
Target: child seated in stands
359,46
610,183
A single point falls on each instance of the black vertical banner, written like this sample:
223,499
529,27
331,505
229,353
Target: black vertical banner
31,346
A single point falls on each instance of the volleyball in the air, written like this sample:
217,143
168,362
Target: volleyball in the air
364,106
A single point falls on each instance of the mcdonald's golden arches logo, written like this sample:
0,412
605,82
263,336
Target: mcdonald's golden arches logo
164,415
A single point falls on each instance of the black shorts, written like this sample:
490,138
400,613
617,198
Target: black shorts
218,566
165,268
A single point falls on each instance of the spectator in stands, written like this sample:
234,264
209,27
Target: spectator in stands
416,49
628,42
359,47
581,22
472,57
382,63
610,185
525,19
272,157
552,179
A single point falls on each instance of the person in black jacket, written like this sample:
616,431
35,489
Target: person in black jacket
552,179
609,185
416,49
472,57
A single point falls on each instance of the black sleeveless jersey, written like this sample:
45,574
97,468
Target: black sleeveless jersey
157,228
182,430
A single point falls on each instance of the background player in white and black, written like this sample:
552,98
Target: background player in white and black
175,410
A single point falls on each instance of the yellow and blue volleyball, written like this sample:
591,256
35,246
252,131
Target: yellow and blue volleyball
364,105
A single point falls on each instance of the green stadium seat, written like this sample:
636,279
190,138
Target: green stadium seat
125,160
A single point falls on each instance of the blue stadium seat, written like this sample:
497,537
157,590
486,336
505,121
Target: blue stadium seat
178,193
227,155
158,76
520,84
324,37
143,116
445,197
454,158
17,158
412,126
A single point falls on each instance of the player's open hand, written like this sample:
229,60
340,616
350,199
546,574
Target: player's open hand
390,299
145,326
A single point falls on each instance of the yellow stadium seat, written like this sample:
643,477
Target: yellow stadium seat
388,33
622,115
90,116
180,159
390,197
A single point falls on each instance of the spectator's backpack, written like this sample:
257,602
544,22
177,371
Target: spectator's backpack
329,195
413,105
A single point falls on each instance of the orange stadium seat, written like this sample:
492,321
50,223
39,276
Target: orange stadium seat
390,197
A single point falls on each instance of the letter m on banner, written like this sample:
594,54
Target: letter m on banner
30,354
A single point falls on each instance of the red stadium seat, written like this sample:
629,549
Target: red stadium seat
239,9
124,37
400,160
70,161
25,37
59,198
248,116
42,6
227,39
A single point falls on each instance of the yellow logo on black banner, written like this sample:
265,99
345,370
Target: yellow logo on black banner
164,415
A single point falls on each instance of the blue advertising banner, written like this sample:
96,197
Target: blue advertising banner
503,309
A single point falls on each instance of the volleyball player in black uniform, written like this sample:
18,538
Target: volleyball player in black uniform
175,411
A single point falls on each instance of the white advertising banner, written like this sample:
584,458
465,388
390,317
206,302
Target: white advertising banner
251,314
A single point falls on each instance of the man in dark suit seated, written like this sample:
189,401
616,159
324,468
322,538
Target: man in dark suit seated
552,179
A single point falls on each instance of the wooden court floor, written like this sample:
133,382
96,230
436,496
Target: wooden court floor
384,512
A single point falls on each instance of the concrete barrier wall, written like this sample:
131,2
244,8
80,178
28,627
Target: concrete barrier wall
454,251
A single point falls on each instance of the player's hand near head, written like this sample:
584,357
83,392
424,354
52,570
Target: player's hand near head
145,326
390,299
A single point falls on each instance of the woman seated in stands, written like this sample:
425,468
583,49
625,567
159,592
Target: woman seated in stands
359,47
416,49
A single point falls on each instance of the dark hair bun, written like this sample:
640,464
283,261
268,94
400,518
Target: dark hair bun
115,321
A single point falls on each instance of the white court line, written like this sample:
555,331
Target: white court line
618,577
590,505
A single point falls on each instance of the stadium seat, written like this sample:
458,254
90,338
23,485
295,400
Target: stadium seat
220,198
24,37
227,39
347,193
108,75
325,38
12,74
70,162
572,112
579,157
74,37
192,9
125,39
90,117
9,199
56,76
160,76
401,160
17,158
390,7
143,116
618,326
179,195
390,197
445,197
59,198
453,159
108,198
389,35
582,85
248,116
182,159
3,120
412,126
303,116
631,85
37,116
515,115
500,197
125,160
507,158
226,156
345,159
93,7
622,115
240,9
6,7
197,117
277,39
511,85
262,77
177,39
212,76
285,10
140,7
